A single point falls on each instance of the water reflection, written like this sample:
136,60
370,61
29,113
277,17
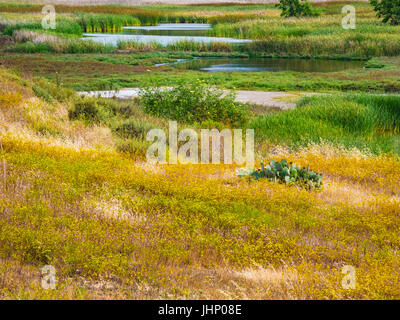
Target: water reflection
268,64
163,34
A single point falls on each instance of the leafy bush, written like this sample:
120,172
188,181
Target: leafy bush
92,110
41,93
297,8
84,109
133,127
389,10
287,173
49,90
134,147
194,102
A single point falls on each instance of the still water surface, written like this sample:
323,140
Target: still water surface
267,64
163,34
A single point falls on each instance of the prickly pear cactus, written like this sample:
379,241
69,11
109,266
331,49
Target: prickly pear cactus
281,171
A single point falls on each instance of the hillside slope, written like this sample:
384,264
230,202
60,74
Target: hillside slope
114,227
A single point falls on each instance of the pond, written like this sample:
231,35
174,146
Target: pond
163,33
267,64
169,33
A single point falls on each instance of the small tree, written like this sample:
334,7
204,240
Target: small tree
297,8
389,10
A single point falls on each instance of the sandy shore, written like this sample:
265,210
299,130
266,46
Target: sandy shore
262,98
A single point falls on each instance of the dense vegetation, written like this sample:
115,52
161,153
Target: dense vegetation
194,102
388,10
297,8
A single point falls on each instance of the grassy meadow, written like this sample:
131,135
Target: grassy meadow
77,192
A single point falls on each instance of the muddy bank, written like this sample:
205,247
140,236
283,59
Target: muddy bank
263,98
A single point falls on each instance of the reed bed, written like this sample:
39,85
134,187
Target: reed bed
270,26
201,46
60,46
105,22
363,46
139,46
183,45
65,25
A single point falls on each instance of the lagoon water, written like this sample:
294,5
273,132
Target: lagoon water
267,64
169,33
163,34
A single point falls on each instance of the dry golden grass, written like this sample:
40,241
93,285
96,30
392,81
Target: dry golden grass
118,228
29,118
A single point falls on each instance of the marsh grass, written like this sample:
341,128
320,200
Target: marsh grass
61,46
139,46
192,46
314,36
65,26
354,120
180,46
357,45
105,22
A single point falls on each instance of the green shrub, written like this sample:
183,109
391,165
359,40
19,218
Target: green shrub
135,147
133,128
194,102
92,110
287,173
297,8
41,93
389,10
50,90
85,109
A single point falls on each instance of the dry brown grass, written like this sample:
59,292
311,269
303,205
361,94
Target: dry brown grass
35,37
30,118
